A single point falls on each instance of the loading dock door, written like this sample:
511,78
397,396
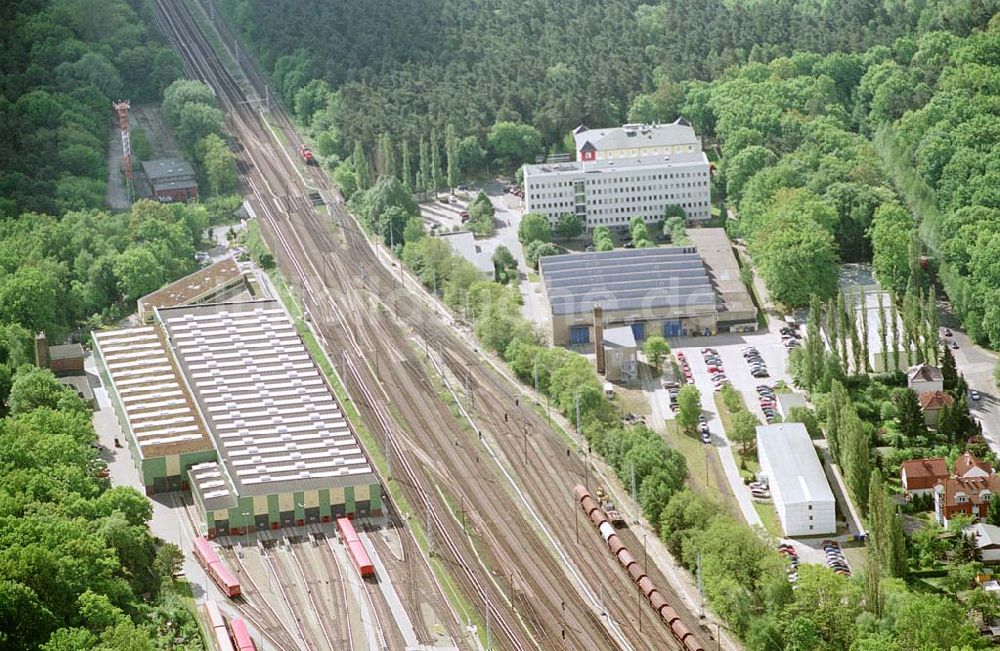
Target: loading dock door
672,329
639,331
579,335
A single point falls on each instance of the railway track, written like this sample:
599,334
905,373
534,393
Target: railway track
340,282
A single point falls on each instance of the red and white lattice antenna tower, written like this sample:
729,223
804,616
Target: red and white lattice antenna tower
122,107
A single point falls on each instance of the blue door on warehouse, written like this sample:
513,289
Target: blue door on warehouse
579,335
639,331
672,329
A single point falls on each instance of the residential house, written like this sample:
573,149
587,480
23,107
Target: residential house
987,537
969,465
920,476
964,495
923,378
931,403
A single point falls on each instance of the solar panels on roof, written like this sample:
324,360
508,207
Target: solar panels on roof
629,279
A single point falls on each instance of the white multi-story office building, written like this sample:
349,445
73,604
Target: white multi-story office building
624,172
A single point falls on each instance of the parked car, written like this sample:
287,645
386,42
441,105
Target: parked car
954,345
974,395
947,332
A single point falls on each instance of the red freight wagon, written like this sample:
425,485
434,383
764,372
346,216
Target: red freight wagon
224,578
240,635
354,547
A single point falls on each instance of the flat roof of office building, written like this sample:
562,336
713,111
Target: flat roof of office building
277,426
627,279
793,463
160,411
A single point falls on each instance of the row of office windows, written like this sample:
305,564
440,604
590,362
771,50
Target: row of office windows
617,180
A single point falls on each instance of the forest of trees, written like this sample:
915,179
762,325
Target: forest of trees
62,64
406,67
79,570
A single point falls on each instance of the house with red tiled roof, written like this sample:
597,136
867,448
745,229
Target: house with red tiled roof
965,495
969,465
931,403
920,476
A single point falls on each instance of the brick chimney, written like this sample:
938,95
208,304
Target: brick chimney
41,350
599,338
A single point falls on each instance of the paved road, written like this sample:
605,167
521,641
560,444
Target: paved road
977,364
719,439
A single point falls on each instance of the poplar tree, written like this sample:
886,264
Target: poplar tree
407,168
437,177
883,332
843,327
386,155
865,365
879,532
856,350
832,324
856,454
361,170
933,346
451,151
813,350
426,179
894,322
834,409
874,599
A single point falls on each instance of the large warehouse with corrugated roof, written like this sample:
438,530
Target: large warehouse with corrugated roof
274,449
671,291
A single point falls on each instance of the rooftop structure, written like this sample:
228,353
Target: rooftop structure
622,172
802,495
152,401
171,179
657,289
920,476
637,142
619,354
210,283
969,465
736,309
464,244
210,484
275,421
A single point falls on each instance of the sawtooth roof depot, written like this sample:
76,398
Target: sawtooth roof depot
674,291
266,443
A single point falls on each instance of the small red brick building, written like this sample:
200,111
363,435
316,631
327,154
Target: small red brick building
170,179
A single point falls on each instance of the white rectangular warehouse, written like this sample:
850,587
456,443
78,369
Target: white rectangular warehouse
802,496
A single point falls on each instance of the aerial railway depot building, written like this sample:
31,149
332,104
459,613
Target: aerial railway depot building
675,291
224,400
624,172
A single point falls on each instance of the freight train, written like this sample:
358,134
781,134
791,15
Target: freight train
669,616
206,555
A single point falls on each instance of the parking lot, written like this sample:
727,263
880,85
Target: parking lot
444,215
